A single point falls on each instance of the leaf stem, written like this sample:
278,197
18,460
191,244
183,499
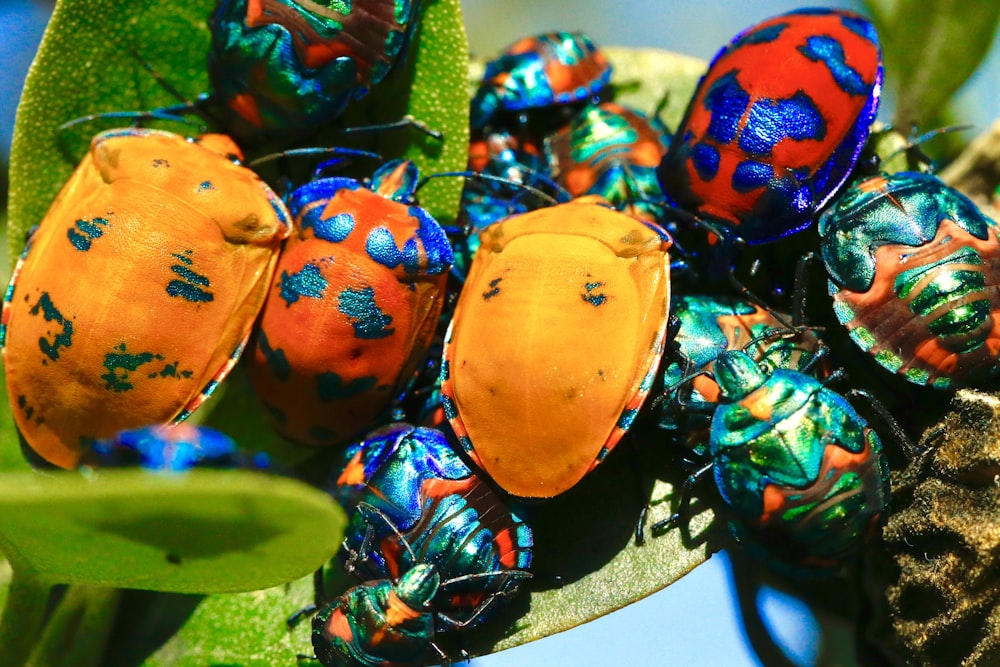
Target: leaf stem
23,618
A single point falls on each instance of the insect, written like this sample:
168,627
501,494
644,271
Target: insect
353,306
555,343
612,151
545,71
800,471
136,294
279,64
777,123
708,326
172,449
436,546
914,271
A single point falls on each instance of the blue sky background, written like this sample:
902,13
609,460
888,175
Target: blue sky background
695,621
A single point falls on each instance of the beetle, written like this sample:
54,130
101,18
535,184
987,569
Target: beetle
544,71
171,244
708,326
555,342
283,65
353,306
612,150
425,529
171,448
776,124
800,471
914,272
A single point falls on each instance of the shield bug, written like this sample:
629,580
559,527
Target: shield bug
425,529
612,151
777,123
555,342
541,72
353,306
136,294
914,270
281,65
800,471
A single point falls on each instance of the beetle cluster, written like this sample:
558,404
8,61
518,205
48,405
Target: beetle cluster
564,324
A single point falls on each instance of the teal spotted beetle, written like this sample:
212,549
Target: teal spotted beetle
914,271
353,307
801,473
138,291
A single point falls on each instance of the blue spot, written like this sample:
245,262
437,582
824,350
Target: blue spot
121,360
595,300
727,101
449,408
184,257
706,160
750,175
50,313
86,231
188,287
277,361
436,246
761,36
770,121
494,289
309,282
821,48
331,387
369,321
334,229
188,292
861,26
205,185
189,275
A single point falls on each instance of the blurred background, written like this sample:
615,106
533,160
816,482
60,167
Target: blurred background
696,621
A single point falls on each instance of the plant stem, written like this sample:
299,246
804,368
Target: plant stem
23,618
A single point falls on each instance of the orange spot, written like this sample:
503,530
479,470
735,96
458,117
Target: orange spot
399,612
337,626
354,472
246,107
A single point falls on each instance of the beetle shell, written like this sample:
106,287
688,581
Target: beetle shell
553,68
420,504
554,344
278,64
353,307
915,276
171,246
799,468
710,325
379,622
175,448
777,123
612,151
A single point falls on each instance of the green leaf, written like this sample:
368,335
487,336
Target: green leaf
84,66
204,531
930,48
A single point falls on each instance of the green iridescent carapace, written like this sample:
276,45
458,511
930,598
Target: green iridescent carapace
914,272
286,65
798,467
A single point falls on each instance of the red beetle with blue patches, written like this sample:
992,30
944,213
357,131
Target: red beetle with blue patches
777,123
138,291
354,306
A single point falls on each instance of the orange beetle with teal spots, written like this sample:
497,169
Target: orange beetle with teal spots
137,292
353,308
555,343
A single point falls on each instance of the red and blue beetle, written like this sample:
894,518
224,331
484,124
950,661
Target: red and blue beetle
776,124
138,291
353,306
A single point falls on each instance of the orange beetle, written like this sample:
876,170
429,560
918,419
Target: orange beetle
138,290
353,308
555,342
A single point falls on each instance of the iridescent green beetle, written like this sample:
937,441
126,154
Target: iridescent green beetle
800,469
914,272
280,64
